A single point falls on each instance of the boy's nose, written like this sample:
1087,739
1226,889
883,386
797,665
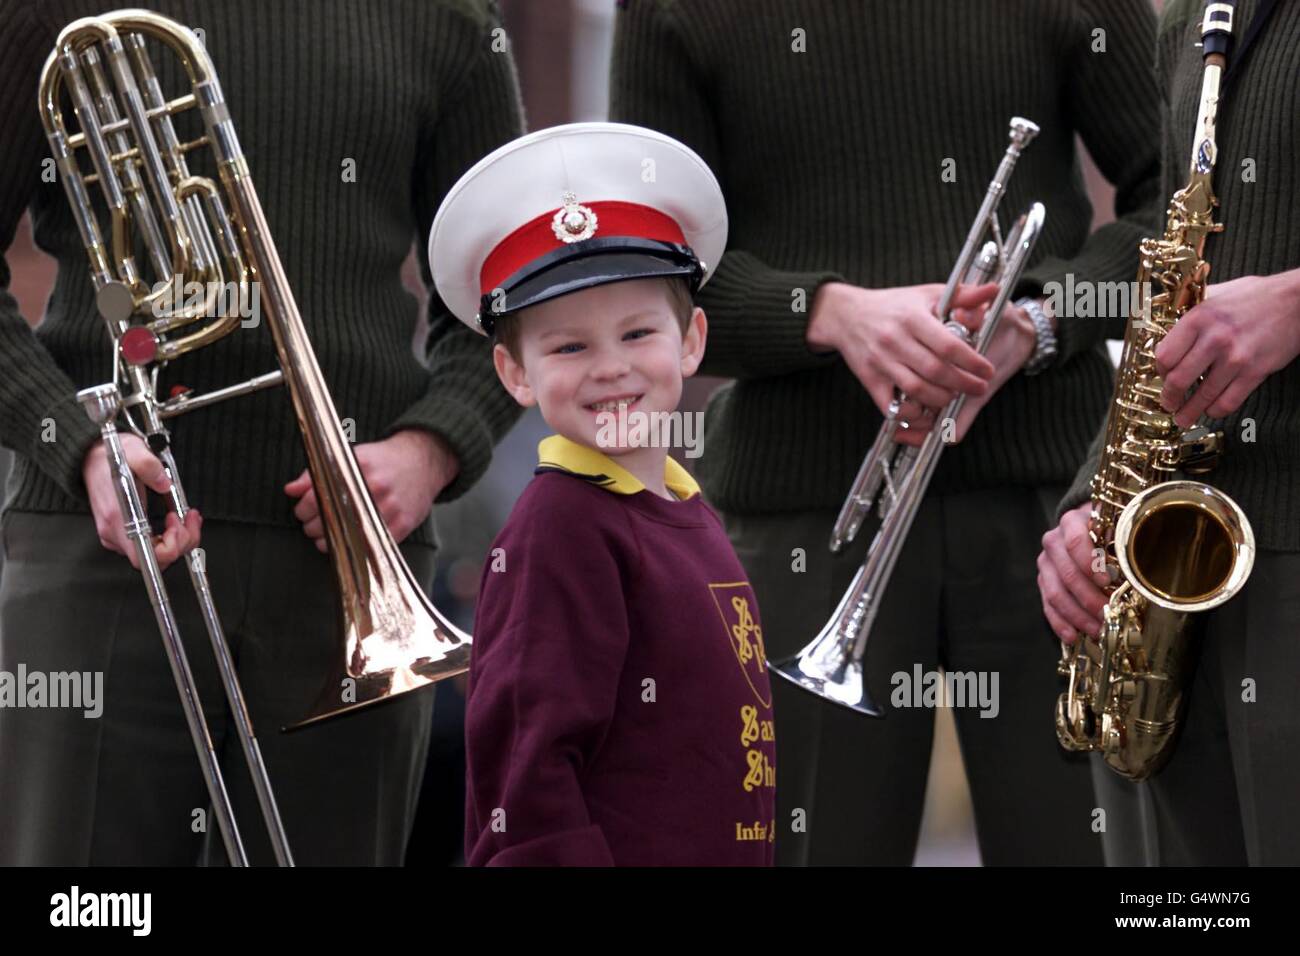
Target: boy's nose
610,364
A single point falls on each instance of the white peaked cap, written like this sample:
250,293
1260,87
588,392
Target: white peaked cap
570,207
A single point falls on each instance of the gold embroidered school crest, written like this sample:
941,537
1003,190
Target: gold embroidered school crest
736,606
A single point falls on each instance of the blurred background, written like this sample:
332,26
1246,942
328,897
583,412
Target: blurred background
561,48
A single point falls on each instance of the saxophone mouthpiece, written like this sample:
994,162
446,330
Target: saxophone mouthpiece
1216,29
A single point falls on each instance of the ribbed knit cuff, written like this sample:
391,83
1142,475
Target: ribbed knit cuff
1074,334
463,428
757,330
1081,488
62,455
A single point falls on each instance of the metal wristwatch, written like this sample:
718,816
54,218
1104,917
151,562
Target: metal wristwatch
1045,347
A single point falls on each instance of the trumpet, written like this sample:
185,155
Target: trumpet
895,477
190,229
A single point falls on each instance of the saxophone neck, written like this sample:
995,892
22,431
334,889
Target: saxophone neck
1216,43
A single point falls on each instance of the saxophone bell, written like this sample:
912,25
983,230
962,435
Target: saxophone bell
1184,546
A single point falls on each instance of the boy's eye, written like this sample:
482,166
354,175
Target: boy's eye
568,348
638,333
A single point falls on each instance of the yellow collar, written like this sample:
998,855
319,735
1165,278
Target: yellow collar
558,453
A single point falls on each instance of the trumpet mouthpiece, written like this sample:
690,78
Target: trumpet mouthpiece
1023,131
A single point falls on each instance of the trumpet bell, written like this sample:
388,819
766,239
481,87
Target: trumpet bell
831,671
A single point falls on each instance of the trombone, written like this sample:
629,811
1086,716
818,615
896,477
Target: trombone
194,229
896,476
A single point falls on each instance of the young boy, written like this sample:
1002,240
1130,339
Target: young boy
619,710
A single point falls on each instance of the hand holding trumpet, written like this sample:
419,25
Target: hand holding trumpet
891,341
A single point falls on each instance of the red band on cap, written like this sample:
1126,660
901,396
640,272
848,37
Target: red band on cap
536,238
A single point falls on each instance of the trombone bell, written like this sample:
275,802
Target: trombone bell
415,647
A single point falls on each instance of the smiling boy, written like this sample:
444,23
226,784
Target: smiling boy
604,361
618,710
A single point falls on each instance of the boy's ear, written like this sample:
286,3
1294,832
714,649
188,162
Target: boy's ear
697,332
512,376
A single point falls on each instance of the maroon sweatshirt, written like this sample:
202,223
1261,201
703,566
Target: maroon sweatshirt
619,710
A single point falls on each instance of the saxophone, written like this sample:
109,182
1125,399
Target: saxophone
1172,546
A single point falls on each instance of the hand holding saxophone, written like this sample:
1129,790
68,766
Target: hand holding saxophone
890,340
1244,331
405,473
177,540
1072,591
